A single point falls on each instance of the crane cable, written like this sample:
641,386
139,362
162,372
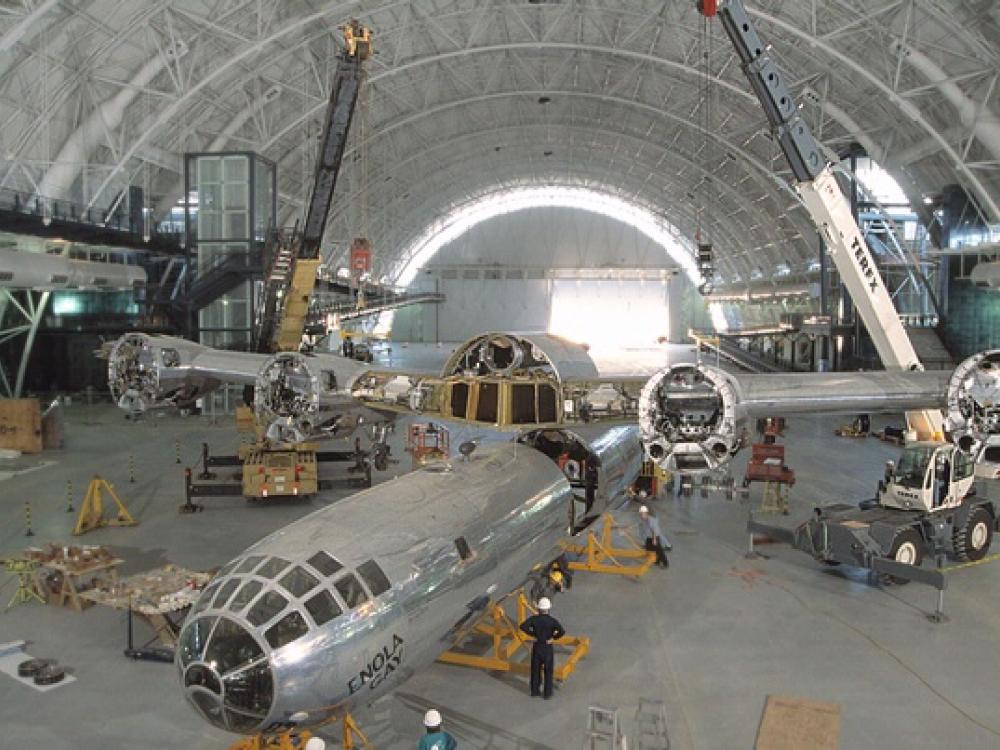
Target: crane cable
706,91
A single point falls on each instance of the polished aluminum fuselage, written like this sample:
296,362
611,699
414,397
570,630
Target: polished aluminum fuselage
510,505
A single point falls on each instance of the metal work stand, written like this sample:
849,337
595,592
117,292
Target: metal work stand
604,730
651,726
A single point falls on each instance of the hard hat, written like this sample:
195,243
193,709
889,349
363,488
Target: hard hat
643,493
644,509
544,605
316,743
432,718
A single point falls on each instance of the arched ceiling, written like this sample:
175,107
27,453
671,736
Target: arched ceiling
467,96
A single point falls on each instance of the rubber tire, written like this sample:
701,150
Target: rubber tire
31,667
50,675
912,536
961,538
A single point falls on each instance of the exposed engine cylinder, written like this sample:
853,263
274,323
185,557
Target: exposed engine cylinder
287,397
973,413
690,418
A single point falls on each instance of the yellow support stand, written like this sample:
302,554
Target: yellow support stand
297,739
601,556
775,498
92,511
351,731
285,741
507,639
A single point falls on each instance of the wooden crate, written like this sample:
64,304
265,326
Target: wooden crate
21,424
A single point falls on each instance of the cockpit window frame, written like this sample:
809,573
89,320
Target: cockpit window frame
348,605
241,600
323,572
259,601
226,591
273,563
300,575
302,628
249,564
370,573
312,614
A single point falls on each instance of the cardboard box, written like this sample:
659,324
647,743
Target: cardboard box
791,723
21,424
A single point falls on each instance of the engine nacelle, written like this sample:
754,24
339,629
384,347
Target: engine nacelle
690,418
287,397
145,372
973,412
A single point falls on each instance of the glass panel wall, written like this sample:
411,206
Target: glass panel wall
231,204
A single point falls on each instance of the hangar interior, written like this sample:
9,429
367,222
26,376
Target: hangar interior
336,337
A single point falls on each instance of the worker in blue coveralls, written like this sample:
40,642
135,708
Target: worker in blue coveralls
544,629
435,738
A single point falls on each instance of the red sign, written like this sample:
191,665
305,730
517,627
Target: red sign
361,255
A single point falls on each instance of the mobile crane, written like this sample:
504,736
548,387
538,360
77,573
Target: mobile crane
295,260
927,503
280,468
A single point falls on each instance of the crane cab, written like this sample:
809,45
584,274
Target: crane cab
929,477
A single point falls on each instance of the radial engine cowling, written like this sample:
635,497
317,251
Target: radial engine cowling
150,371
287,397
973,414
690,418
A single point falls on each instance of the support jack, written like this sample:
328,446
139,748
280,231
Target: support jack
92,511
507,639
601,556
294,740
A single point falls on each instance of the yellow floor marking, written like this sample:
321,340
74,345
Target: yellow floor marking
989,558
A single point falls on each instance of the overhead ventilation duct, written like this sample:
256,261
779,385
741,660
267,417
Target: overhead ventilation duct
103,119
980,119
986,275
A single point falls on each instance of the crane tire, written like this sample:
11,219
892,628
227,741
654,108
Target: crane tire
972,541
907,548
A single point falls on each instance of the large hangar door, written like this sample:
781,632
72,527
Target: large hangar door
611,313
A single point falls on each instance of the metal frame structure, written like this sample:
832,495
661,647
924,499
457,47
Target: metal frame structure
470,97
27,316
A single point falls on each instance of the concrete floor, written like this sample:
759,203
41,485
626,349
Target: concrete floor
712,636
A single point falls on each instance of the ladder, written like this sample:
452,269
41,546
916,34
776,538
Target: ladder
604,730
775,498
651,726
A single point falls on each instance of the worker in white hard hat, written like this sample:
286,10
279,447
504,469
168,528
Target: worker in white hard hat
435,738
544,628
655,541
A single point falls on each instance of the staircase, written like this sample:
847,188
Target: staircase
276,285
219,278
171,280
